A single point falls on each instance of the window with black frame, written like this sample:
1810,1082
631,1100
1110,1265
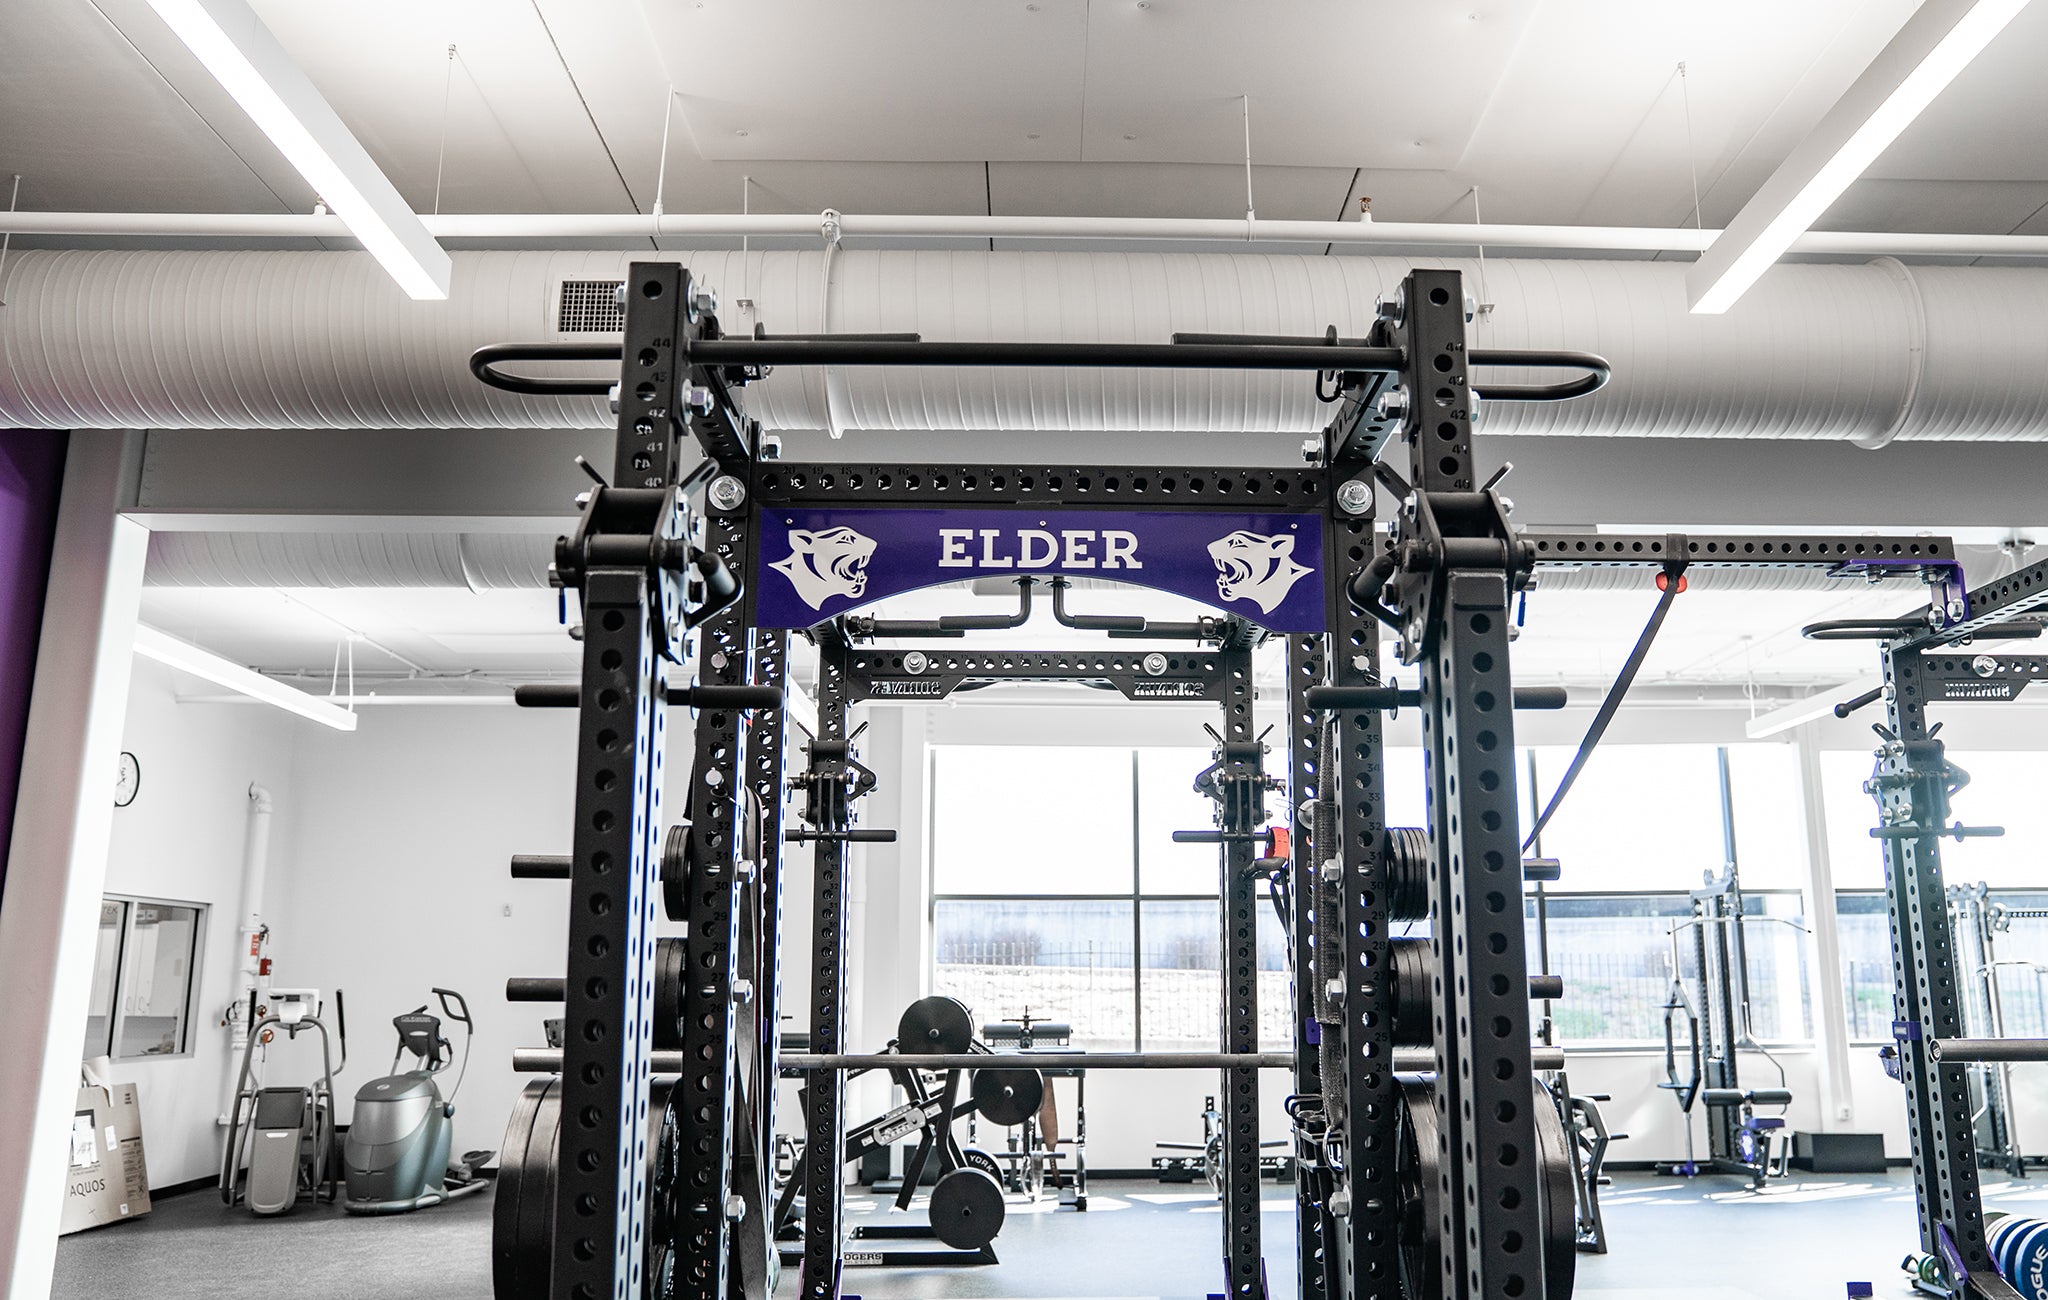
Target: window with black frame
144,978
1058,890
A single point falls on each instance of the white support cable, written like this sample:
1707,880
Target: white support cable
447,95
668,116
1692,160
1251,214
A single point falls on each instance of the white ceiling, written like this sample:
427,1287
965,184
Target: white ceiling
1558,110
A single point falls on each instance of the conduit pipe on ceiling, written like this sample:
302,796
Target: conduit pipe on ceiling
324,340
856,226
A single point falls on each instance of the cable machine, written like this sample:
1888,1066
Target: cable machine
701,552
1978,922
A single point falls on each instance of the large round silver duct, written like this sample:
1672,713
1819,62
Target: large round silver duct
476,561
326,340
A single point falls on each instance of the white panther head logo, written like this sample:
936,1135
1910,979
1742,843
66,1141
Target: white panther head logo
826,564
1256,568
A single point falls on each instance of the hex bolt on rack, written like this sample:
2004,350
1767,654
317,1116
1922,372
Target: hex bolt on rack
1428,1165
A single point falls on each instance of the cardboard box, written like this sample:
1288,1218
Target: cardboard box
108,1180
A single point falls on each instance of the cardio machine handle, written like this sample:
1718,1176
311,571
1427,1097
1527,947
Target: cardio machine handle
458,1012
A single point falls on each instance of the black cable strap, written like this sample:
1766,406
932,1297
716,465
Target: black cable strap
1671,582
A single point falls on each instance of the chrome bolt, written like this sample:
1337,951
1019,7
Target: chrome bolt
1155,663
703,302
1333,872
700,399
1354,496
742,990
1333,987
726,493
1393,404
1392,309
613,398
915,662
619,295
735,1206
771,447
1312,451
1984,665
746,871
1472,405
1471,308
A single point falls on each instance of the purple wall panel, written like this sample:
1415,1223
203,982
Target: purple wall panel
31,475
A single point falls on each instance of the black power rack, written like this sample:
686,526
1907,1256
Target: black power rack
670,564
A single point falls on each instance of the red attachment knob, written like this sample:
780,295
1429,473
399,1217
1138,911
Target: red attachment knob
1664,582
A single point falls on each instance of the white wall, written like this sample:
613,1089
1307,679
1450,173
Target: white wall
398,882
182,839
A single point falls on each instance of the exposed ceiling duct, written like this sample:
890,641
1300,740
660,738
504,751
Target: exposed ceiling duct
1866,352
475,561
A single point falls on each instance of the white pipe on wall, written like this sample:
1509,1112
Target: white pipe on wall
324,340
248,940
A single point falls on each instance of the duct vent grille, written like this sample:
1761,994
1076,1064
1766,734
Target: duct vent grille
590,307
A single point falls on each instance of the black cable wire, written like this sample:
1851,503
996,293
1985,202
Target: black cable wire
1672,581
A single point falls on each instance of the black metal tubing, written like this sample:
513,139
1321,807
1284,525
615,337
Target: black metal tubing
1597,368
484,363
1239,816
1330,698
1489,1181
825,1097
552,695
1316,1271
1128,626
1742,551
877,674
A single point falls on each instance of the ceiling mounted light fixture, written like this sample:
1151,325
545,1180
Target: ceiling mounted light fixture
250,64
1929,52
153,643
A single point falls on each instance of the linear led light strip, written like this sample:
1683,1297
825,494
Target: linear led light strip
1935,45
250,64
152,643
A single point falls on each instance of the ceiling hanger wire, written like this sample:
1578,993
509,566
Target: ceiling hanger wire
668,114
447,92
1692,161
1251,213
13,203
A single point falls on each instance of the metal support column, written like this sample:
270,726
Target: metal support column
823,1173
1911,787
1305,761
1239,815
1357,1012
1490,1173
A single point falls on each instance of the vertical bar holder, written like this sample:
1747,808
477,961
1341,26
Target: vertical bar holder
1911,791
1359,1010
1244,1266
704,1118
825,1091
1491,1225
1305,668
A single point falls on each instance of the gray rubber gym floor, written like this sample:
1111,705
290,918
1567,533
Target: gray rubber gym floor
1709,1240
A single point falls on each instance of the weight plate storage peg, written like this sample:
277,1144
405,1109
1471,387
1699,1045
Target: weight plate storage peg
1008,1096
935,1026
967,1209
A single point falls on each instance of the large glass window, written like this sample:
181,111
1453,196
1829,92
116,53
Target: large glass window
1126,948
1639,817
143,978
2018,954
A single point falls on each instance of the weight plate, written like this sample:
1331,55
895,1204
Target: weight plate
1406,849
1412,1013
967,1209
1008,1097
675,872
935,1026
671,959
1416,1180
523,1219
976,1158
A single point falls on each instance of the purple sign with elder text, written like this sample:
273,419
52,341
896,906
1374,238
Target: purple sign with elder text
813,564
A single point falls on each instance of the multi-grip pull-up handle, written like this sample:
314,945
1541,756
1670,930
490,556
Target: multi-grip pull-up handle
1197,352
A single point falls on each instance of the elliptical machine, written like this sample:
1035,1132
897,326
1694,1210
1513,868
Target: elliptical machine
395,1158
